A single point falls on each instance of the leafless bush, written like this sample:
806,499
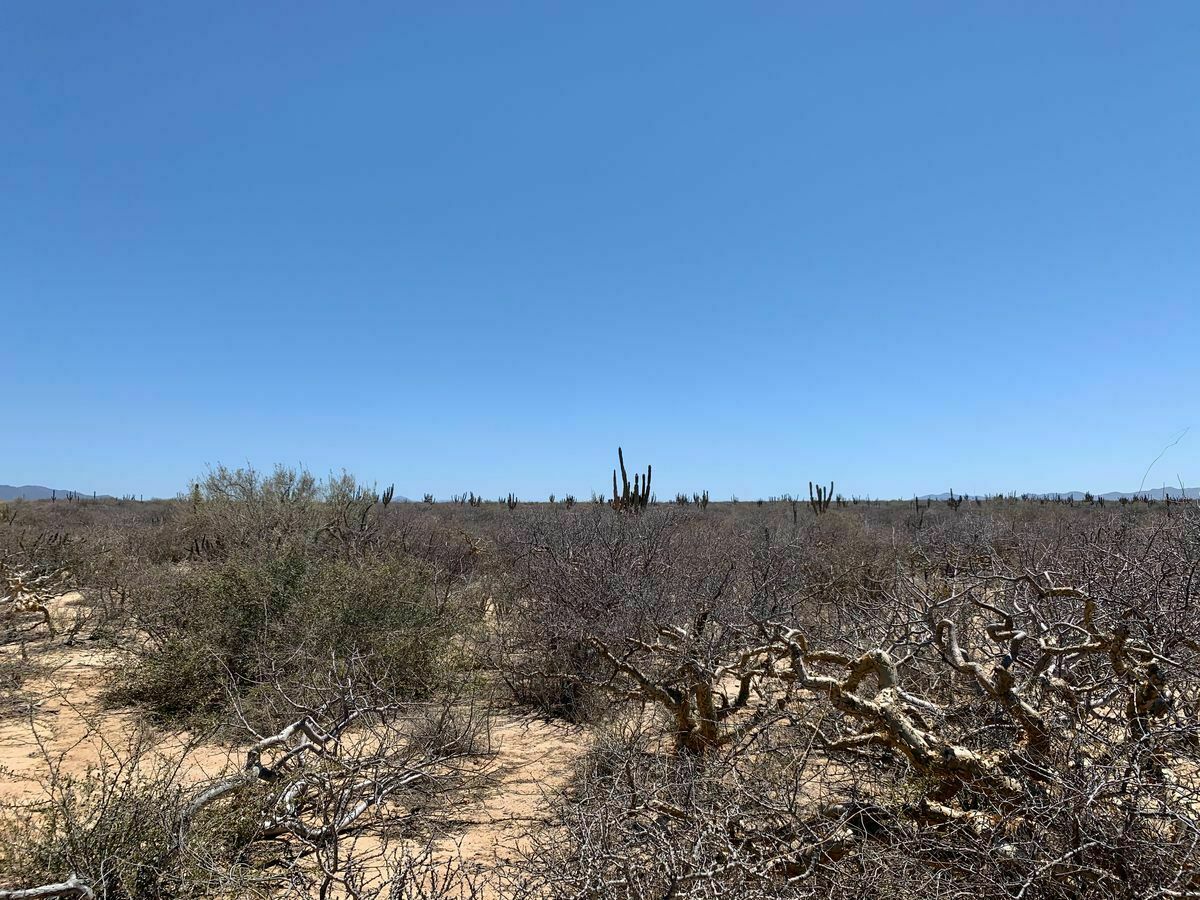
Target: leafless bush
1005,732
574,575
15,670
290,817
112,828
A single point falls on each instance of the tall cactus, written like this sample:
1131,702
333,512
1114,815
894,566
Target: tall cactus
820,500
635,498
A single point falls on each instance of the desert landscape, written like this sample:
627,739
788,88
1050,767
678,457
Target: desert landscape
275,686
576,451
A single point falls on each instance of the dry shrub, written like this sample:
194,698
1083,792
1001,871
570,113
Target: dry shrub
882,701
343,765
116,828
969,725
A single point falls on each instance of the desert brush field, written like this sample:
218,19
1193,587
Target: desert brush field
278,686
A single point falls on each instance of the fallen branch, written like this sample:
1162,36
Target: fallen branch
64,890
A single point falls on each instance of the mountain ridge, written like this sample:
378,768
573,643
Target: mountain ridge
1189,493
35,492
41,492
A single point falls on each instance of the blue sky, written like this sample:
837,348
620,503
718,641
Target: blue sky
474,247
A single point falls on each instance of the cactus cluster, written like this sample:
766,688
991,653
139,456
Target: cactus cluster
700,500
633,498
820,500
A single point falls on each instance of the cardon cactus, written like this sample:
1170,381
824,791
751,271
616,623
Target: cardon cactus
633,498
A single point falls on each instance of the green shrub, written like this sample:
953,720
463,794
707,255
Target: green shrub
179,678
242,624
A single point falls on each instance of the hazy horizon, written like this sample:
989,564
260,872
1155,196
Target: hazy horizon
1153,490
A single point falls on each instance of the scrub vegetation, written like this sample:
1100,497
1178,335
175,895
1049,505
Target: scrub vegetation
794,697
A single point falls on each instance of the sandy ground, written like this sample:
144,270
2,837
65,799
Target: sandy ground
533,761
57,719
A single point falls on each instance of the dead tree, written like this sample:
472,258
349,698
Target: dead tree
342,758
29,591
65,890
1015,719
707,694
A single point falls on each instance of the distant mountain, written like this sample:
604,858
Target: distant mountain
31,492
1192,493
1175,493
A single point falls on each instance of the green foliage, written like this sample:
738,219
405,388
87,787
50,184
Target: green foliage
242,622
181,677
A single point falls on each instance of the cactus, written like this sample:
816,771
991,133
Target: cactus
821,500
628,499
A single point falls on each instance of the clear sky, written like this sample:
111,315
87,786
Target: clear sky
476,247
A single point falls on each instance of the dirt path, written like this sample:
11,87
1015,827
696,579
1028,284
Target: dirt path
56,721
534,760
